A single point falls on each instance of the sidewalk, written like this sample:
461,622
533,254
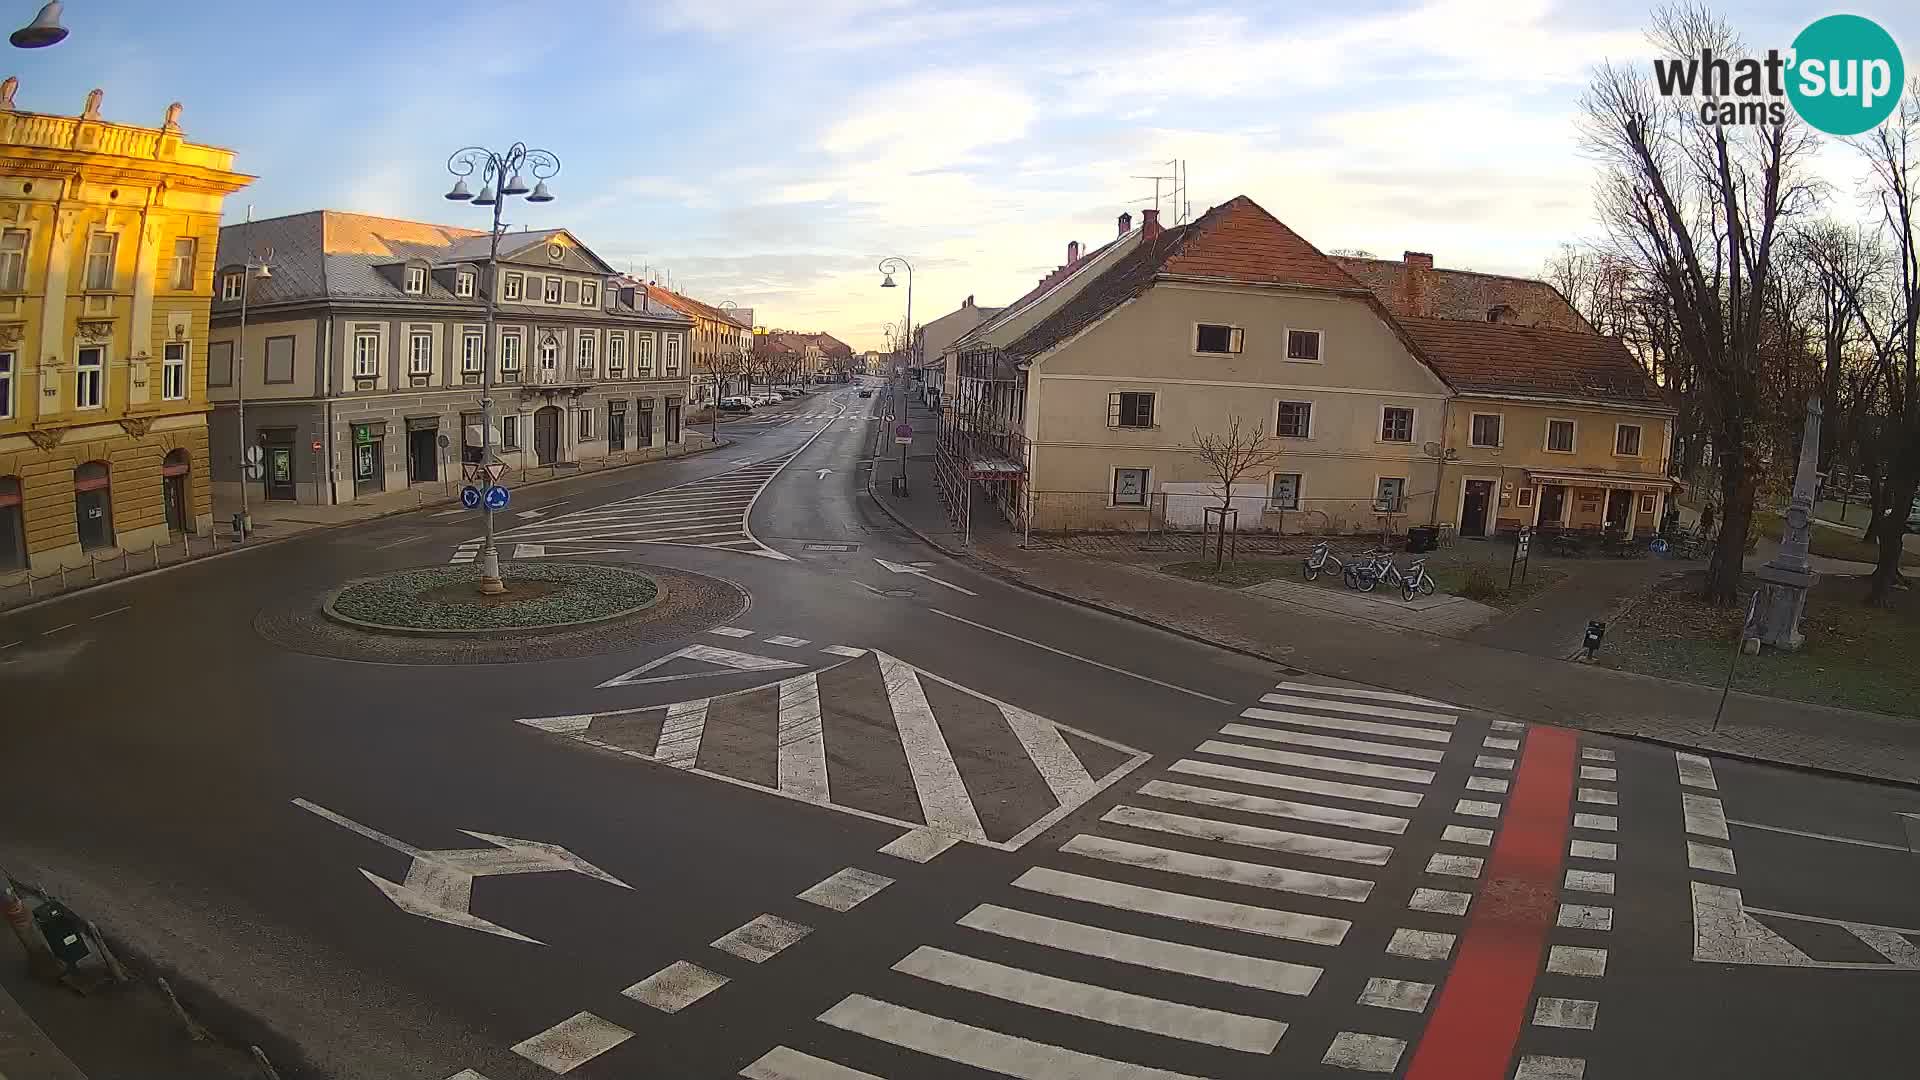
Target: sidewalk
280,520
25,1051
1535,688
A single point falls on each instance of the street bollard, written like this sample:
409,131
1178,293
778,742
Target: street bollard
63,577
125,554
156,554
93,567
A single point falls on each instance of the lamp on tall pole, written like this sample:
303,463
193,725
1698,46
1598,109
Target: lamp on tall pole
502,174
255,266
888,267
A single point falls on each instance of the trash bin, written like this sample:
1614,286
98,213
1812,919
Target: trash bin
1423,538
900,487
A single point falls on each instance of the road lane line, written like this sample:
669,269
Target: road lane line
786,1063
1704,817
1365,1053
1315,761
572,1042
1819,836
1292,782
1480,1011
1258,973
802,740
762,938
1340,723
57,629
1356,692
402,540
1331,742
1232,871
1696,771
845,889
1420,944
1077,656
1200,910
1281,808
1101,1004
1360,708
1399,994
1291,843
675,986
944,802
1047,748
115,611
680,734
1440,901
1461,834
981,1048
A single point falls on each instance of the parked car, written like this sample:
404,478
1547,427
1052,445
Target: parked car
787,392
767,399
866,391
735,404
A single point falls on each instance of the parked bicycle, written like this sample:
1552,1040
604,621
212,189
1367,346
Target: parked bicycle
1318,560
1363,572
1413,581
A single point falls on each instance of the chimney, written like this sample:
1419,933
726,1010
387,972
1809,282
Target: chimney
1073,254
1149,226
1126,224
1418,264
969,302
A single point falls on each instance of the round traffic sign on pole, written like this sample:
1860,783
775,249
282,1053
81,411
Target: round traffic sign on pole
496,498
470,497
903,430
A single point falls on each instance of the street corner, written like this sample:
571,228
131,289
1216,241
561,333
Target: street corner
435,616
867,734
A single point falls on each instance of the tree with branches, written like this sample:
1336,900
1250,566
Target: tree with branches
1241,450
1700,208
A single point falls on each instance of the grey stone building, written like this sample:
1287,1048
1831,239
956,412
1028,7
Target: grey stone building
365,348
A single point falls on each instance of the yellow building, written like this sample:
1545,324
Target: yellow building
107,241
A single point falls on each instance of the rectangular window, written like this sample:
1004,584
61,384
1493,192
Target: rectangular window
463,285
1396,424
586,423
549,353
173,371
509,353
570,293
89,373
673,355
643,354
1286,492
589,294
510,287
420,354
1526,497
552,291
1486,430
100,251
1130,410
585,345
1560,436
13,260
220,364
1626,440
1646,504
1389,494
470,349
416,280
366,355
280,359
1213,338
1303,345
230,287
1130,487
616,354
181,278
1293,420
6,385
510,432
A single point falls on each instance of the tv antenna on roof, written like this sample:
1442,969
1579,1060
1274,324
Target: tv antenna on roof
1179,207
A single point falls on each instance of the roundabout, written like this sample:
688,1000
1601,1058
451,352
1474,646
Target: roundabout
442,600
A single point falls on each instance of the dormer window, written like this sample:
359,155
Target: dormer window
589,294
463,284
230,286
416,280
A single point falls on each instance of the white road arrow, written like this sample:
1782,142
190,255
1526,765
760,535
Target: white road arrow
439,884
530,514
823,474
902,568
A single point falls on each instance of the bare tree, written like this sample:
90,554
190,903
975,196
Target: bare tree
1229,455
1700,207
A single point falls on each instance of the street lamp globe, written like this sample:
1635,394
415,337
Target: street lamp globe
887,282
44,30
486,196
459,193
514,186
540,193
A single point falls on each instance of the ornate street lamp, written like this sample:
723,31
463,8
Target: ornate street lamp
507,170
44,30
888,267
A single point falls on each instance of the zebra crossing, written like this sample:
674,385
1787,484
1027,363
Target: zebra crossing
785,418
710,513
1219,893
871,736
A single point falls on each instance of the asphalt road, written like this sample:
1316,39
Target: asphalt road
895,816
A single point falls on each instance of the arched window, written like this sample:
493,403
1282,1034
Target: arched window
93,505
13,524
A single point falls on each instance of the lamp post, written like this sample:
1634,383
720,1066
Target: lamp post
501,176
44,30
888,267
255,266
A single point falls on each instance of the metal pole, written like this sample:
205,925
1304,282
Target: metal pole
240,378
1739,640
490,583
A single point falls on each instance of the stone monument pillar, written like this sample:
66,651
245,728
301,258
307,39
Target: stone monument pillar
1785,579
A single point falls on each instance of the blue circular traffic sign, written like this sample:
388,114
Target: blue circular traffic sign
496,498
470,497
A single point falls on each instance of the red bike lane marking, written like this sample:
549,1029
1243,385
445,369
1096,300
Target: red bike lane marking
1483,1004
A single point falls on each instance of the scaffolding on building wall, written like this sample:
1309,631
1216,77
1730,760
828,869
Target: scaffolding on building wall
982,446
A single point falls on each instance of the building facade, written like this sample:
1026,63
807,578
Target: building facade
107,236
364,351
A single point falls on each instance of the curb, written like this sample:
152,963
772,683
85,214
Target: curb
255,545
328,610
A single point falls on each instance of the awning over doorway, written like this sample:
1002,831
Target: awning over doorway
1601,478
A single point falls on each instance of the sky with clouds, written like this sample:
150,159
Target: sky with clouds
770,152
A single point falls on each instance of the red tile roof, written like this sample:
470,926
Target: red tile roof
1494,358
1467,294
